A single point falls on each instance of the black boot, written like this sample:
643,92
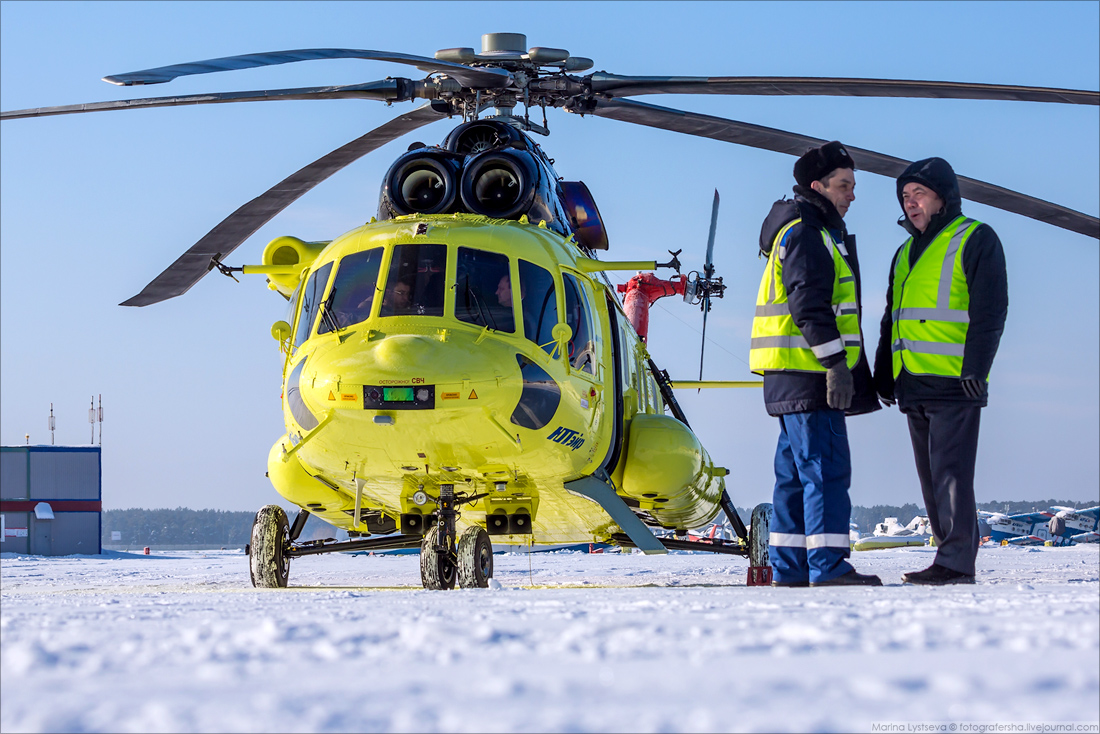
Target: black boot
800,584
936,575
852,578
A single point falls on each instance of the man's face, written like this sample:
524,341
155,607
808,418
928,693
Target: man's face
402,295
839,187
920,203
504,291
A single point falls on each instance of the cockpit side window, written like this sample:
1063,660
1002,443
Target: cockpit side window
292,304
483,290
540,305
415,285
352,291
578,314
311,300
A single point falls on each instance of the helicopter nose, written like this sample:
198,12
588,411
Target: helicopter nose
402,352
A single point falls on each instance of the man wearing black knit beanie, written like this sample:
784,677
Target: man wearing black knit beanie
807,343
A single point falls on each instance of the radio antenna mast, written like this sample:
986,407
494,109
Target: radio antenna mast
51,424
91,419
101,419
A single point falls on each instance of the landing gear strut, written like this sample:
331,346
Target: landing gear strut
445,558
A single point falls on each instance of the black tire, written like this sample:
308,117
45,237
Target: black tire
436,570
268,564
759,533
475,559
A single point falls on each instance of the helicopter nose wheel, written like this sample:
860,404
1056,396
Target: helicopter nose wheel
437,569
475,559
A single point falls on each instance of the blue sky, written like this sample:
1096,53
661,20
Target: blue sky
93,206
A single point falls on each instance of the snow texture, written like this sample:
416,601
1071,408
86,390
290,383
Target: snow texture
560,642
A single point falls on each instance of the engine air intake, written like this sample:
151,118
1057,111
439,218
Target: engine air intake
498,184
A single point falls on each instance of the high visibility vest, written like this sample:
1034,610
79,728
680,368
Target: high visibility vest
777,343
930,308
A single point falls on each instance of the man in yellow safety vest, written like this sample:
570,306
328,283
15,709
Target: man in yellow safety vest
807,343
945,311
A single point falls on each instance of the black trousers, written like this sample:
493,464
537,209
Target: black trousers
945,446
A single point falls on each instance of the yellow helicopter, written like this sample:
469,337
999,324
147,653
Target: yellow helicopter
459,369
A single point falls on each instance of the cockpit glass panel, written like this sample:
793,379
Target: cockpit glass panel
415,285
540,305
311,300
483,290
352,291
578,314
292,304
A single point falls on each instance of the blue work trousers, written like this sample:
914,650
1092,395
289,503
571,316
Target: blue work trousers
811,507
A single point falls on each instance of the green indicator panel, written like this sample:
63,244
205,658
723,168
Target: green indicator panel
397,394
401,397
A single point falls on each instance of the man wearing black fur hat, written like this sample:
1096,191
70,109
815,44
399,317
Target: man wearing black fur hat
806,341
945,311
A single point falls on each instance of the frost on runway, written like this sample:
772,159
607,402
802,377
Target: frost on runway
575,642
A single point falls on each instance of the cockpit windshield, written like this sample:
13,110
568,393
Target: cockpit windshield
311,298
483,290
352,293
414,285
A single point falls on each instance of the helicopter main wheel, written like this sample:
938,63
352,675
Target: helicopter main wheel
436,570
475,559
268,564
759,534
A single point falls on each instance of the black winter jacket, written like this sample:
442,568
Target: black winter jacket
983,262
808,275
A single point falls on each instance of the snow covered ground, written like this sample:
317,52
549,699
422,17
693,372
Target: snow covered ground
572,642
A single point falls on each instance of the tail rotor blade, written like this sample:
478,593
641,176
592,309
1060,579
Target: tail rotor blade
703,348
708,268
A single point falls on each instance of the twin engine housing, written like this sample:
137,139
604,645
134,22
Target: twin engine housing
487,167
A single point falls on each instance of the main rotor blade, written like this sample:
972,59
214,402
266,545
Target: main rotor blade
192,265
385,91
479,78
628,86
708,267
781,141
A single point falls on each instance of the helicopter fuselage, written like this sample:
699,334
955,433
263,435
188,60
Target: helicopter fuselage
456,349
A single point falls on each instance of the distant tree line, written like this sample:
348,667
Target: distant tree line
183,526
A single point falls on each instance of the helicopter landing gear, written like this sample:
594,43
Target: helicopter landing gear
438,559
445,558
437,567
760,569
268,563
475,559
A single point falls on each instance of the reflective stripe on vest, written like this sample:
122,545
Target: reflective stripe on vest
930,309
777,343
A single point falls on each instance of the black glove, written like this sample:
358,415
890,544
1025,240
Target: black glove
887,401
973,387
839,386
